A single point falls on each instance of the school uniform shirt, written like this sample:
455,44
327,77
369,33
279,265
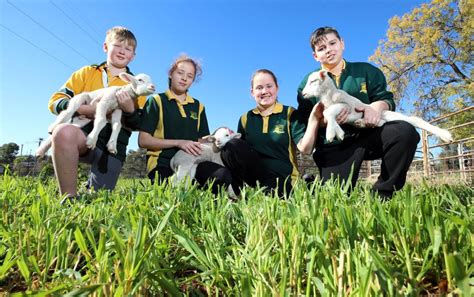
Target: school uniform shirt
361,80
274,138
165,117
90,78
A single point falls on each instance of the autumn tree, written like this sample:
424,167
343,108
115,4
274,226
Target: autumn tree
427,57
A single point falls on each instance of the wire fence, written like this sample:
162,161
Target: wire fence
448,162
434,161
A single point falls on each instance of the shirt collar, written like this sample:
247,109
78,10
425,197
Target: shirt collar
343,66
172,96
277,109
103,66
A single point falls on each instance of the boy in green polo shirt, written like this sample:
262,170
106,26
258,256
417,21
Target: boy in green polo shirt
395,142
69,141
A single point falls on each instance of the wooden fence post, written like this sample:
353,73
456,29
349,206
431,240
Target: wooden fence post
426,159
462,168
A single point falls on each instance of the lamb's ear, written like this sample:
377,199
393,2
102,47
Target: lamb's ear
236,135
322,74
207,139
128,78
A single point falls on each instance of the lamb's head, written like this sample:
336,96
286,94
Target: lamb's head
141,84
221,136
317,84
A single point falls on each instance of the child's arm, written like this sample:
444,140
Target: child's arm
75,85
306,144
130,115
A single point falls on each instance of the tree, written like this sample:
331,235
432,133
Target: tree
428,53
135,164
8,153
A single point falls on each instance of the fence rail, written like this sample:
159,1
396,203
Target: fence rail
458,154
446,162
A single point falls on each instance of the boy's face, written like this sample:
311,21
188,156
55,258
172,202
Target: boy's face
182,77
119,53
329,50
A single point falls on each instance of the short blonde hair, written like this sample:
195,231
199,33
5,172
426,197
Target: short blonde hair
120,34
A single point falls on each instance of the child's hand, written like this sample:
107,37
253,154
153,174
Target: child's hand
191,147
341,118
317,112
371,115
125,101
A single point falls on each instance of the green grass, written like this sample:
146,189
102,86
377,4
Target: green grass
156,240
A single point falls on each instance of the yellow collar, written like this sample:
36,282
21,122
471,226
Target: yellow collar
342,70
172,96
277,109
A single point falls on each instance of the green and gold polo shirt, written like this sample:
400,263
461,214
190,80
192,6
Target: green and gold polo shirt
274,137
361,80
166,118
87,79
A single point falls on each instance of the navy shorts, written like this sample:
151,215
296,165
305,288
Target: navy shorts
105,169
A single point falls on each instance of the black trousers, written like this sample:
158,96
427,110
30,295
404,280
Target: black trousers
246,167
395,143
206,172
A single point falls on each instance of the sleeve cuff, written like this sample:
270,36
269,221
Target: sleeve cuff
391,106
131,119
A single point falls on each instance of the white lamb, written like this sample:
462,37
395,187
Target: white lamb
139,85
320,85
184,165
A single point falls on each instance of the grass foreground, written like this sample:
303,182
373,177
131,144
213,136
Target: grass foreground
149,240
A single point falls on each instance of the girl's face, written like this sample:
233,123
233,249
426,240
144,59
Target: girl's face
182,77
264,90
329,51
119,53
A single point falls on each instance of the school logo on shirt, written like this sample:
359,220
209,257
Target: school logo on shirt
363,87
193,115
279,129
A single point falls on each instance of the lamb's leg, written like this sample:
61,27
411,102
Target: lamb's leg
67,114
444,134
231,193
44,147
182,172
333,129
116,126
99,123
80,122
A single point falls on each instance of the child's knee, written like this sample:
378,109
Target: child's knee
65,134
404,133
408,134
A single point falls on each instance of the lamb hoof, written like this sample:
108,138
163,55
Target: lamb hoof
51,129
340,136
112,148
446,136
90,143
330,136
360,123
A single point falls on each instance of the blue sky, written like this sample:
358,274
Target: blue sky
42,42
